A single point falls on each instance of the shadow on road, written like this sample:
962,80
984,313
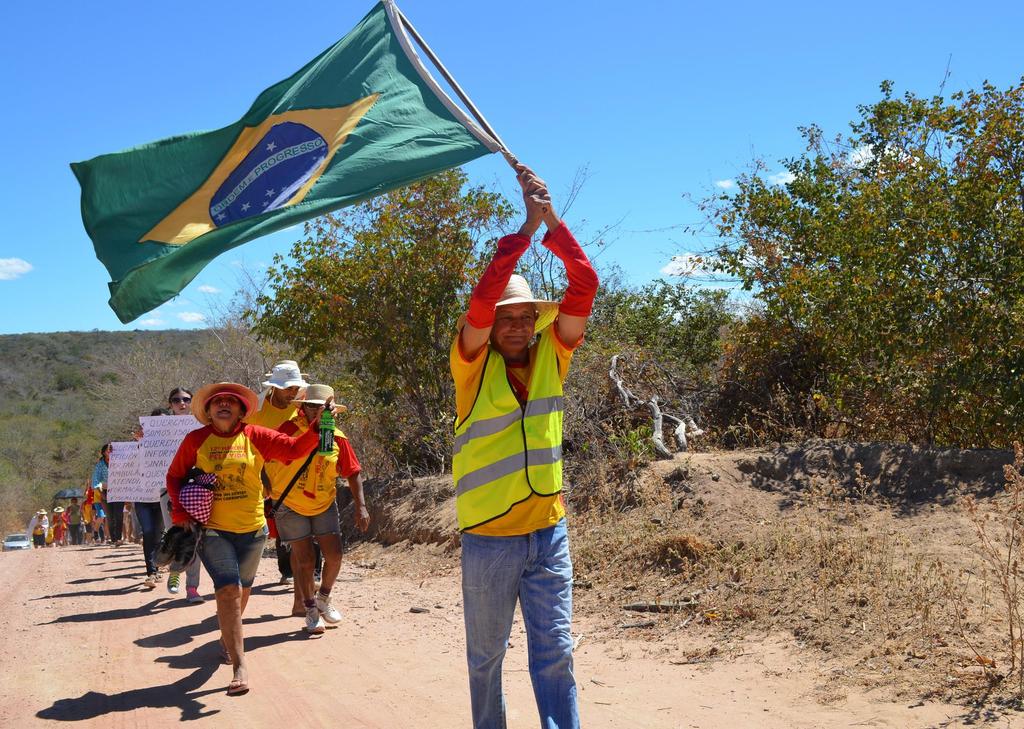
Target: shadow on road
119,556
272,589
86,580
179,636
183,694
126,590
187,633
142,611
129,564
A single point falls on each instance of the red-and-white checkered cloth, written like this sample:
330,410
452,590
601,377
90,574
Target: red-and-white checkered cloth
196,496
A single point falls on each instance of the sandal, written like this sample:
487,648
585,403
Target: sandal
237,687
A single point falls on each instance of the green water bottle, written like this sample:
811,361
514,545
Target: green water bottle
326,433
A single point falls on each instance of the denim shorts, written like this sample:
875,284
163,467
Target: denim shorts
292,527
230,558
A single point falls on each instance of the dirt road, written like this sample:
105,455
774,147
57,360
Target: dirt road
85,643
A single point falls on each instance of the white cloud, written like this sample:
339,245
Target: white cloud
154,322
861,156
191,317
11,268
725,184
687,264
782,178
207,289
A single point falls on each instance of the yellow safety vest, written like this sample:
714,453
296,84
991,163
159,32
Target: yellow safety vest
504,451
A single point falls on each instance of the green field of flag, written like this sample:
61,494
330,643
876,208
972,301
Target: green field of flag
363,117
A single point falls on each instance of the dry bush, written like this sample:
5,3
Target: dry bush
145,375
679,552
833,570
999,526
606,444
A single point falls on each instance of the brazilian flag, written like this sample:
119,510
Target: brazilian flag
362,118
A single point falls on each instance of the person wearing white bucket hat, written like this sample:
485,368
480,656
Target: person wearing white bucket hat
38,525
509,361
276,406
283,384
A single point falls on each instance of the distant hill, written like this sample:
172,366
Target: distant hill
59,396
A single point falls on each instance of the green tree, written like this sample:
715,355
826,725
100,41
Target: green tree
895,256
678,324
382,285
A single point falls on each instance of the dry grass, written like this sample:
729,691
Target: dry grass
896,599
836,568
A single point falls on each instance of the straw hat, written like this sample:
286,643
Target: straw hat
59,510
285,374
517,291
208,392
319,395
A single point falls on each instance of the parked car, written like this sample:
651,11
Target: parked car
14,542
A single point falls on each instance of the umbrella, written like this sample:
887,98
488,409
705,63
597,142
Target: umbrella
68,494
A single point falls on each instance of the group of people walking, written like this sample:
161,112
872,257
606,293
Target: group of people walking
77,523
261,458
263,449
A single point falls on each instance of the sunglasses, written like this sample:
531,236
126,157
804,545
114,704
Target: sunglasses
179,400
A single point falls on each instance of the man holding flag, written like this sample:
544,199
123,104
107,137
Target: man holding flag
509,361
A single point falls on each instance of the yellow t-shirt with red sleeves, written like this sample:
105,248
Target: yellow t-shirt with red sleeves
537,512
317,489
271,416
236,458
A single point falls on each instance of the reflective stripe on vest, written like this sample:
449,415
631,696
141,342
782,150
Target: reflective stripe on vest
505,452
490,426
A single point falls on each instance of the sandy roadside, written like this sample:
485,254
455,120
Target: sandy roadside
85,644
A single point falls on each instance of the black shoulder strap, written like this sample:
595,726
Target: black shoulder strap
295,478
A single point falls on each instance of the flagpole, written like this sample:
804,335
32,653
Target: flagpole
509,157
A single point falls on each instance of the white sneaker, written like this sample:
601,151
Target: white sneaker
150,582
314,623
328,611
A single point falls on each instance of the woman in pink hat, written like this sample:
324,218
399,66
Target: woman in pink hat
236,530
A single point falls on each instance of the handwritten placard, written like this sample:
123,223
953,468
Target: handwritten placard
124,477
161,436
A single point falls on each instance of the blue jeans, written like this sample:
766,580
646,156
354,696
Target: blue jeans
535,570
232,558
152,524
115,523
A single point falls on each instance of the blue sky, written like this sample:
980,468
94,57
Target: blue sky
656,100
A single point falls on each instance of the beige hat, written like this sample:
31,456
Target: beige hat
285,374
517,291
208,392
59,510
319,395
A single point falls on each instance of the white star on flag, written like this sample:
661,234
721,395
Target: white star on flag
245,206
270,192
272,146
221,216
